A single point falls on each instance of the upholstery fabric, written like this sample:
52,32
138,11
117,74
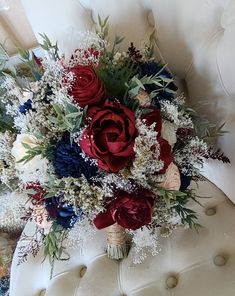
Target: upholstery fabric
196,39
200,263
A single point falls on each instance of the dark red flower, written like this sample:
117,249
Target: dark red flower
110,136
87,88
92,52
165,154
165,148
185,133
153,117
33,185
37,197
89,54
37,60
129,210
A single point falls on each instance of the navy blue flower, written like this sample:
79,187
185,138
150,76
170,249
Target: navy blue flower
48,93
62,212
24,108
68,161
152,68
4,285
185,181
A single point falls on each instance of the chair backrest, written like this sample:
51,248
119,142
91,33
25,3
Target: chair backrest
194,37
196,40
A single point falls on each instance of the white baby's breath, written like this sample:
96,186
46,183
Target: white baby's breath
191,157
13,208
147,153
145,242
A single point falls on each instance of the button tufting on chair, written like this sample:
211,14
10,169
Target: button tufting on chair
171,282
220,260
210,211
82,271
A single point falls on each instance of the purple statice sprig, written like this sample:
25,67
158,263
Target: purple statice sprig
134,53
29,244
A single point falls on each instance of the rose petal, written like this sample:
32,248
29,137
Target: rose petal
87,88
165,154
103,220
154,117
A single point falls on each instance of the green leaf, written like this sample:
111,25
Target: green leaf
44,46
45,38
100,21
53,119
57,109
26,146
74,115
170,91
24,53
116,76
106,31
118,39
166,79
50,194
106,20
26,158
52,49
36,74
71,108
156,82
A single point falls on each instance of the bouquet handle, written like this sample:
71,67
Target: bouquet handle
117,242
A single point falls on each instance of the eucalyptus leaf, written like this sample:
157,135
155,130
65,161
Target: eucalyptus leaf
71,108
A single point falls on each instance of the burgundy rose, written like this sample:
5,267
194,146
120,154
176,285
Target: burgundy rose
165,154
165,148
129,210
87,88
110,136
153,117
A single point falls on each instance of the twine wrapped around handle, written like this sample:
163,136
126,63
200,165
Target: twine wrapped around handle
117,243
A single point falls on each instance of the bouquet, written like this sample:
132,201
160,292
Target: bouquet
100,140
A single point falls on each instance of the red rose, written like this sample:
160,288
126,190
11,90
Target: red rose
165,154
110,136
153,116
129,210
165,148
87,88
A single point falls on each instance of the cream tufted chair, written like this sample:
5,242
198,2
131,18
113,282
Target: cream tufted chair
196,39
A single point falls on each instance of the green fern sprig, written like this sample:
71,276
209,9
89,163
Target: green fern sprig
52,49
53,243
115,77
177,201
204,128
